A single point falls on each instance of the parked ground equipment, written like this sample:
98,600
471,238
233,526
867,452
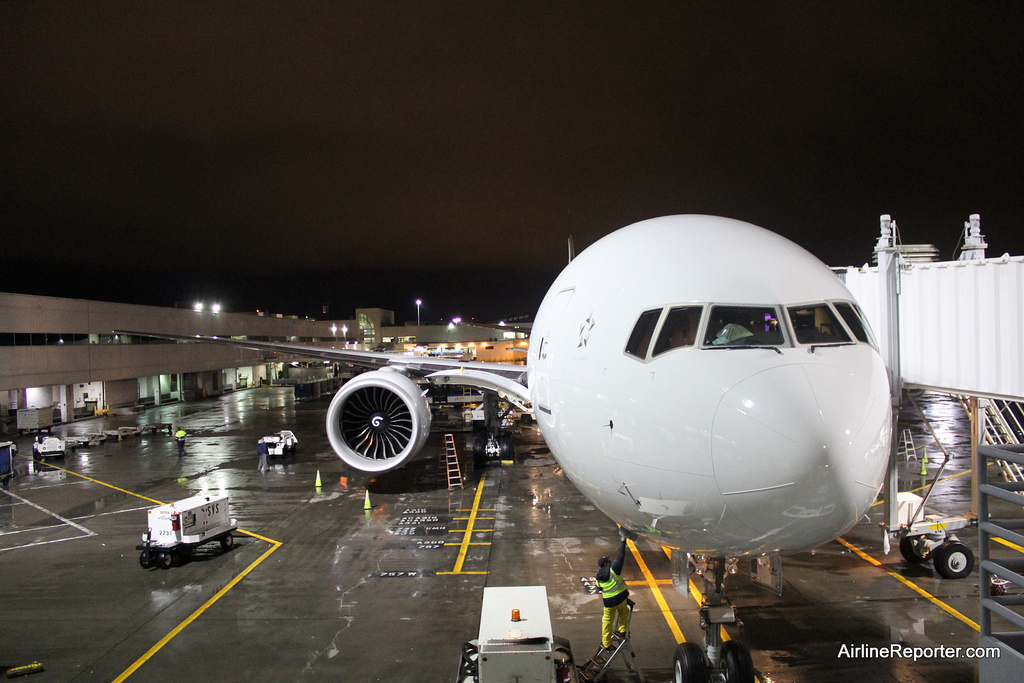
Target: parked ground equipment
282,443
48,446
176,529
35,419
516,643
7,471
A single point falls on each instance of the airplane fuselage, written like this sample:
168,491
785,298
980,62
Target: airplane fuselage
711,386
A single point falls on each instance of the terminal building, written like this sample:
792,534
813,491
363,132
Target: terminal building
63,353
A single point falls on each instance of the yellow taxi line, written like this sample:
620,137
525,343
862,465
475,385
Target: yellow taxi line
659,597
274,545
469,530
910,584
195,615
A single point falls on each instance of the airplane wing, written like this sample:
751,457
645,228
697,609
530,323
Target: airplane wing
502,377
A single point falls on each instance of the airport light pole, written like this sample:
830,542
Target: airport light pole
418,302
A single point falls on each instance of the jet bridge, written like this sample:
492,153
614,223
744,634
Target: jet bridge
952,326
956,327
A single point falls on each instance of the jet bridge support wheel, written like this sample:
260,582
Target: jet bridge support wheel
953,559
913,549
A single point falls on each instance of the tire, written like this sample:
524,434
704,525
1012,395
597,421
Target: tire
910,552
226,542
145,561
505,445
164,560
469,666
690,665
953,560
739,667
479,444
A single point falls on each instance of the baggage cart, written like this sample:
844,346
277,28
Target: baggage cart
176,529
7,471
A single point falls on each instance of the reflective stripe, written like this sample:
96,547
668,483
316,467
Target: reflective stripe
613,586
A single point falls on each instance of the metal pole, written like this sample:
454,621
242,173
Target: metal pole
889,338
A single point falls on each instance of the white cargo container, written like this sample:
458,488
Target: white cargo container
34,419
178,528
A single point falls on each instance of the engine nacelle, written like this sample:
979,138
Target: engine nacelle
378,420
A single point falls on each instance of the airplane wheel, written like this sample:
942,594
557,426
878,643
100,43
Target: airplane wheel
479,448
911,552
953,560
691,667
164,560
505,445
739,667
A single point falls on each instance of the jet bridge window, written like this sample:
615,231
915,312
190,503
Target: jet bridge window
743,326
817,324
679,329
640,337
854,320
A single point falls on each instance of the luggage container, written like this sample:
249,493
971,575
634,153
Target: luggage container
7,471
35,419
176,529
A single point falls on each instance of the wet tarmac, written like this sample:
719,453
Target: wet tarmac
319,588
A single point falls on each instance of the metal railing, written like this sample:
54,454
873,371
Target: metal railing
994,601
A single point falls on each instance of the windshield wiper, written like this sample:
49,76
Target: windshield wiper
730,347
845,343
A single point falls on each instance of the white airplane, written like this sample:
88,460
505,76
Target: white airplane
709,385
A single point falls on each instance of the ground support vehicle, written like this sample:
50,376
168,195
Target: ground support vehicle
516,642
176,529
282,443
48,446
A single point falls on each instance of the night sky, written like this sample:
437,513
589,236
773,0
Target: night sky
290,154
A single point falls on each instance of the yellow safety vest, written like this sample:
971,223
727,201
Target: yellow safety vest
613,586
180,434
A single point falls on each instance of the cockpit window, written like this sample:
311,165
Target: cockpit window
853,320
743,326
817,324
679,329
640,337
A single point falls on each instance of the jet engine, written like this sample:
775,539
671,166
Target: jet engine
378,421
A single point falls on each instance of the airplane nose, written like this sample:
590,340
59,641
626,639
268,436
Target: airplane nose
789,443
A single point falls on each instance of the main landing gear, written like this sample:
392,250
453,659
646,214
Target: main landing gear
492,445
727,661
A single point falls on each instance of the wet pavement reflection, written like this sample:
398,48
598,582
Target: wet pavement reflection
380,578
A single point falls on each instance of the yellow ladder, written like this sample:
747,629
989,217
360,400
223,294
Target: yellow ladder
451,460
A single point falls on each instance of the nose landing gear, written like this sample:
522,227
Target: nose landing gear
720,660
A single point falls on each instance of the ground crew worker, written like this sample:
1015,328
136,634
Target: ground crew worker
262,451
179,438
613,590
